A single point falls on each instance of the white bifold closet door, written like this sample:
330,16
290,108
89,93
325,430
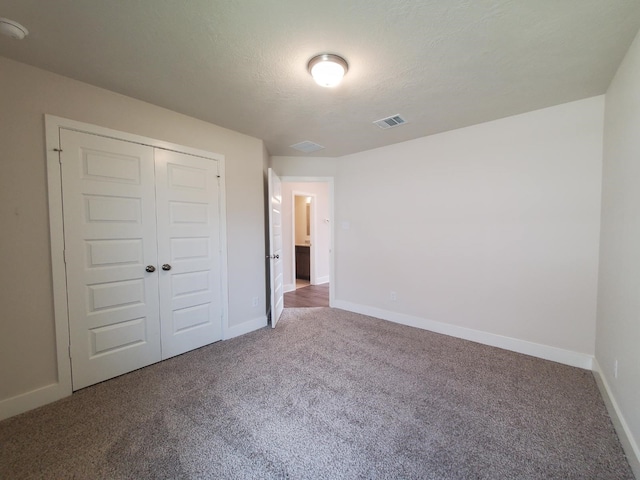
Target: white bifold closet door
142,253
189,241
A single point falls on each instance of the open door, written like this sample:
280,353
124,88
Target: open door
275,247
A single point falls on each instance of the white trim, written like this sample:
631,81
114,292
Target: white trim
59,122
289,287
321,280
567,357
629,444
224,269
294,263
332,265
33,399
245,327
58,269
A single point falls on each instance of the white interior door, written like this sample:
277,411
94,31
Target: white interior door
110,238
275,249
188,251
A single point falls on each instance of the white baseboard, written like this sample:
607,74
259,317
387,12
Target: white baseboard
289,287
567,357
50,393
245,327
321,280
629,444
33,399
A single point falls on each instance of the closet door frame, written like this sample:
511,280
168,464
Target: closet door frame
53,125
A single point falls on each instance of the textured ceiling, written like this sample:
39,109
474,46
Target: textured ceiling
442,64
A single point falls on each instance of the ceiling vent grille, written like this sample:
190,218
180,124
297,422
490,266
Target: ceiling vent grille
307,147
390,122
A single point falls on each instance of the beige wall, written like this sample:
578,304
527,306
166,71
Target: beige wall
491,229
304,166
618,327
301,221
27,346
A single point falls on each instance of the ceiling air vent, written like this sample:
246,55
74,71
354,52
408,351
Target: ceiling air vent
307,146
390,122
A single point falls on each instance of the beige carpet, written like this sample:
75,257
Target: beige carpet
328,394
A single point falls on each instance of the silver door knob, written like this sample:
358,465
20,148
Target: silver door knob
166,267
150,268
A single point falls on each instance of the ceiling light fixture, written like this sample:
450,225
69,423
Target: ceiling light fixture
328,69
12,29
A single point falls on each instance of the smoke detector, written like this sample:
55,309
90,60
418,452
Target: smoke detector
12,29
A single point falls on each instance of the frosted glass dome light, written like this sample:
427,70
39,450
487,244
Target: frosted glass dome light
328,69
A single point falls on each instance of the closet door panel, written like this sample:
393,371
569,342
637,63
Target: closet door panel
187,192
110,238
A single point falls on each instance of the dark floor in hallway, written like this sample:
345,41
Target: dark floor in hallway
311,296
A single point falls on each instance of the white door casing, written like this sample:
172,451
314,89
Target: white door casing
188,251
275,247
120,315
110,238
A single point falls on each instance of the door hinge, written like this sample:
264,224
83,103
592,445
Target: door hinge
69,351
64,256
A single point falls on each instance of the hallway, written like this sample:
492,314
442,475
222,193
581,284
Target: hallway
311,296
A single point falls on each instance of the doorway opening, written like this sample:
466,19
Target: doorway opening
301,218
307,241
